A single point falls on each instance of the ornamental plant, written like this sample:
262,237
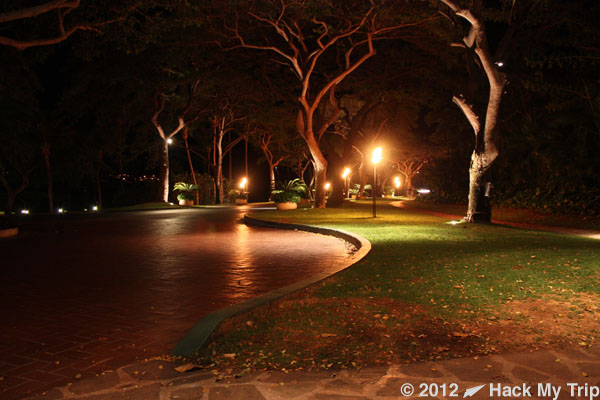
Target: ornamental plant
186,190
289,192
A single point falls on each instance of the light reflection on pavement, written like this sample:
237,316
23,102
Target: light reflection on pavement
96,292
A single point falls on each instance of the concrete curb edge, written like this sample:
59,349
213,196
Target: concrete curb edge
199,334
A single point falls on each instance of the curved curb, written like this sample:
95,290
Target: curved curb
5,233
199,334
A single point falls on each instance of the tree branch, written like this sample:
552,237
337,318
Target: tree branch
24,13
468,112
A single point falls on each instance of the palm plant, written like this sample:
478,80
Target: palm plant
185,190
290,191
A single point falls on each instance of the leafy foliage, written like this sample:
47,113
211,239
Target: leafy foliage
184,187
290,191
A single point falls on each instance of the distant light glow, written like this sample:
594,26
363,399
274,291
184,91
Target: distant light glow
346,173
60,210
24,211
423,191
94,208
500,63
376,158
169,141
171,203
243,183
397,181
327,186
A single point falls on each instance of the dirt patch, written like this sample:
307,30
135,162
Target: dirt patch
305,332
543,323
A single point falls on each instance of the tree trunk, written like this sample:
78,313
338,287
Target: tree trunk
219,183
272,177
408,184
98,184
479,209
187,150
336,198
46,153
320,173
164,172
12,194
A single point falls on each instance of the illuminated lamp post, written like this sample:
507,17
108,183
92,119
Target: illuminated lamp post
244,187
397,182
375,159
346,176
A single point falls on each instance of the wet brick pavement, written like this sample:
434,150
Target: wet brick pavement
82,295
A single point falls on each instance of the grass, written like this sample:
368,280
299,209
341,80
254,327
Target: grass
508,214
428,290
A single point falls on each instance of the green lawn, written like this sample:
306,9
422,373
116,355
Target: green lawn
427,290
508,214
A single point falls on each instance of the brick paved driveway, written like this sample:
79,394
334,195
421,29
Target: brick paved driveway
81,295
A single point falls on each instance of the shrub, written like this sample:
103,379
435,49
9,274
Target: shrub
185,196
290,192
281,196
235,194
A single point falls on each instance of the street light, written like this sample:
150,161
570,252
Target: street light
244,187
375,159
345,176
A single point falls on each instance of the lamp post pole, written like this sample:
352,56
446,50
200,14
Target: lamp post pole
374,190
375,160
346,177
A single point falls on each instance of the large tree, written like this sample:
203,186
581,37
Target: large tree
485,126
307,36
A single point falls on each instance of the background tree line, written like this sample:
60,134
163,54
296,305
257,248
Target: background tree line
91,93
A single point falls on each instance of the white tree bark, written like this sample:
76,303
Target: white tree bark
486,150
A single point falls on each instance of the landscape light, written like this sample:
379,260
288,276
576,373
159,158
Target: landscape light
499,64
243,183
169,141
327,186
423,191
397,181
24,211
346,173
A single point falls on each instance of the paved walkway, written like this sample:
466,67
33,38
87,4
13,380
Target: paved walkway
82,295
564,371
154,380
